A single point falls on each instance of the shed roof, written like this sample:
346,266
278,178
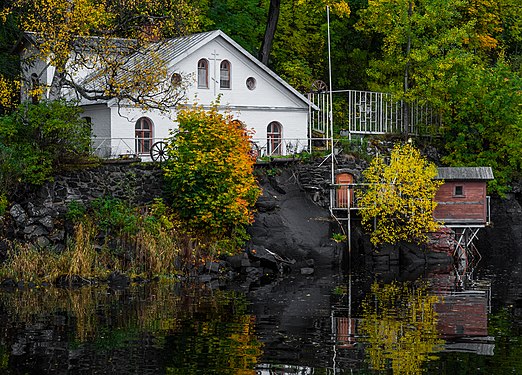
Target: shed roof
464,173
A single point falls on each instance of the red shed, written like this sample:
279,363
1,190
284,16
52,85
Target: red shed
462,199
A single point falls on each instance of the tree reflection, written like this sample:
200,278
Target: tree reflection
400,326
173,329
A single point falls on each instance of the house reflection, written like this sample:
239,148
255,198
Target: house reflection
401,326
463,312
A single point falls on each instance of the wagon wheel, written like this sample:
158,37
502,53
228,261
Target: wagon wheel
318,86
158,151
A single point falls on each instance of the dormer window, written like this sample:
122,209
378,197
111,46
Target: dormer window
203,74
224,77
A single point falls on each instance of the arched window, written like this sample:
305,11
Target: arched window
224,74
273,137
144,134
203,74
35,88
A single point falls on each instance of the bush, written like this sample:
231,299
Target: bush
209,173
37,138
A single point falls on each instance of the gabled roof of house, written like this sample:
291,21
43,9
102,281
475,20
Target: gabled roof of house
464,173
183,46
175,49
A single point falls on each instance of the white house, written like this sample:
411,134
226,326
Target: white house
216,66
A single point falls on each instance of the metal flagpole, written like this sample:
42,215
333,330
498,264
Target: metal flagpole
330,99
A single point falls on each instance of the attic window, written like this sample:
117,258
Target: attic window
251,83
203,74
176,79
224,76
459,191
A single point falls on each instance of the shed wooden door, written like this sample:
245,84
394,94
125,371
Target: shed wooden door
343,199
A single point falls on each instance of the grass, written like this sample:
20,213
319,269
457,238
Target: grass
145,242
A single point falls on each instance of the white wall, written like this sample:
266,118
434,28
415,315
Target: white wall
268,92
269,101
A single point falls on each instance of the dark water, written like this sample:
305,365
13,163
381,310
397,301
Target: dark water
435,321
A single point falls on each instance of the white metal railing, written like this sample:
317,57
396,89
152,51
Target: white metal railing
371,112
346,196
112,148
280,146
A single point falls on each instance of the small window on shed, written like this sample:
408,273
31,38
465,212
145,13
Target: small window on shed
459,190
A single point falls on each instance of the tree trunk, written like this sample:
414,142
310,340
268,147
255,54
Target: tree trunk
271,25
55,90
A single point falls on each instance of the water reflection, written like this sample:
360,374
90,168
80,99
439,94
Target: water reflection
399,326
148,329
444,322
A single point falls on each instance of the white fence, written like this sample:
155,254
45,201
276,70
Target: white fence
370,112
112,148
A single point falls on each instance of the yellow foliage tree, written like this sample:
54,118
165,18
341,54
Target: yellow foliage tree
400,197
104,38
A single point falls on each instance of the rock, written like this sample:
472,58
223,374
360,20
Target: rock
36,231
8,283
235,260
265,258
245,262
266,204
212,267
71,281
206,278
307,271
42,242
254,273
18,214
47,222
57,235
34,211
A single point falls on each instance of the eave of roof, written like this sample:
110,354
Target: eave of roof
465,173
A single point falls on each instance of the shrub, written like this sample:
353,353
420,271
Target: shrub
37,138
209,172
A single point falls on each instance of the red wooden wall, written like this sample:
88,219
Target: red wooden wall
468,208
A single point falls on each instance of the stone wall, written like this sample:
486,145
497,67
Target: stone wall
39,216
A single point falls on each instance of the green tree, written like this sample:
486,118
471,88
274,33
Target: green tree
400,197
484,127
210,173
36,139
299,49
243,20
